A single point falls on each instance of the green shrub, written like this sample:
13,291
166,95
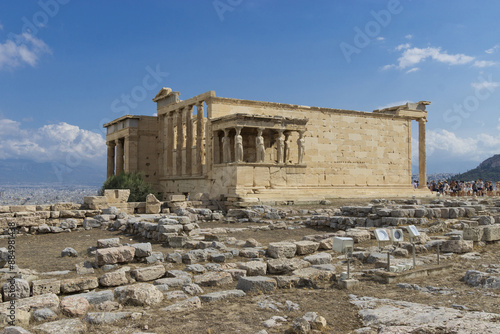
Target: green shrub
134,181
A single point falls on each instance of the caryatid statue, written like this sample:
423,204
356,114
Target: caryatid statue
259,146
287,155
301,144
280,148
238,145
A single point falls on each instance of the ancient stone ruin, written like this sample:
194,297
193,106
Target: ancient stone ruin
251,151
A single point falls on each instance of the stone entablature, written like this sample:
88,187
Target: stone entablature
252,150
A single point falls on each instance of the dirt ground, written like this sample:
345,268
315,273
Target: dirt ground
243,315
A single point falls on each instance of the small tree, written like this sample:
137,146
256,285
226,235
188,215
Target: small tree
134,181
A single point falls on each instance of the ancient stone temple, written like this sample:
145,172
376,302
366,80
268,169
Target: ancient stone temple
250,151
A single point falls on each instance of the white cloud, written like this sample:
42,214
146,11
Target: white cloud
380,38
413,56
409,36
490,85
403,46
498,126
61,142
484,63
415,69
387,67
1,26
27,49
492,50
447,145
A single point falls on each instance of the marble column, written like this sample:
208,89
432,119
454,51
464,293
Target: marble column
180,142
163,145
119,156
189,139
226,149
216,150
169,149
422,159
111,159
199,137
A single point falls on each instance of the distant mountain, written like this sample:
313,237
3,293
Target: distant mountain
24,172
488,170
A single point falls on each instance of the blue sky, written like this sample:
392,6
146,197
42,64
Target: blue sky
68,66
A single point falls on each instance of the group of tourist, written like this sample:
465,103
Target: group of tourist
462,188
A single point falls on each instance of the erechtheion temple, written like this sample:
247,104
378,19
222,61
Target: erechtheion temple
250,151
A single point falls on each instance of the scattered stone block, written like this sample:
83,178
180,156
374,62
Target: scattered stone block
253,268
312,276
491,233
68,251
281,250
457,246
256,284
358,235
115,255
195,256
287,282
43,314
177,241
84,268
116,195
16,289
98,297
220,295
192,289
79,284
326,244
66,326
213,279
148,273
141,294
236,273
486,220
285,266
480,279
173,282
107,243
15,330
4,257
305,247
320,258
74,306
143,249
90,223
115,278
251,252
196,268
48,300
154,258
99,318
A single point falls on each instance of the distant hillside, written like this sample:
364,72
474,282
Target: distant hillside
24,172
488,170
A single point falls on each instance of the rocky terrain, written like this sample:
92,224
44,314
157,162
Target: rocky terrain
259,269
